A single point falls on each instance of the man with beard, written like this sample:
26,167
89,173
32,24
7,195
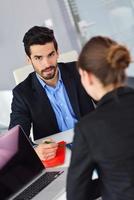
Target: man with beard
51,99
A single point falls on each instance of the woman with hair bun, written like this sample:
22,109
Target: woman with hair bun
104,139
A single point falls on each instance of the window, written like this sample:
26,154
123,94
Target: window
114,18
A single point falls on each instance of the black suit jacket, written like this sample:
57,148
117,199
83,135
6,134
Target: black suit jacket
31,105
104,140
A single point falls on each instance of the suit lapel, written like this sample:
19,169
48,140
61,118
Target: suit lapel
40,94
71,89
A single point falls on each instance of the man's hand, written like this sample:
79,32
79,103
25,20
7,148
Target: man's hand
47,149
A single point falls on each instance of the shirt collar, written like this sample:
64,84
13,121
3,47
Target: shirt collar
43,82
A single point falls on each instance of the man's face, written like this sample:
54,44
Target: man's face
44,60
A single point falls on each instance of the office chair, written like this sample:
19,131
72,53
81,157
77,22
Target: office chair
21,73
5,108
68,56
130,81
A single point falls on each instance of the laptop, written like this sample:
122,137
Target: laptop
22,174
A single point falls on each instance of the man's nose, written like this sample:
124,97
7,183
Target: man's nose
45,62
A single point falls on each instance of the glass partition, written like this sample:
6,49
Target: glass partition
114,18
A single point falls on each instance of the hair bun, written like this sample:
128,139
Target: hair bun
118,56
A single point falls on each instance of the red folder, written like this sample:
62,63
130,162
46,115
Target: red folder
59,158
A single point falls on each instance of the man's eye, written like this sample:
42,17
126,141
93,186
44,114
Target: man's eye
38,58
51,54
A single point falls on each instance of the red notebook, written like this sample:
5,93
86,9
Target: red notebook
59,158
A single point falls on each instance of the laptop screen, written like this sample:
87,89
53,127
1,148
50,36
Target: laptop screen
19,163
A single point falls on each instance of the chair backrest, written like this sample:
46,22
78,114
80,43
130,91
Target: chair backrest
5,107
21,73
68,56
130,81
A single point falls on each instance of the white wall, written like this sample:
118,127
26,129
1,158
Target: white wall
16,17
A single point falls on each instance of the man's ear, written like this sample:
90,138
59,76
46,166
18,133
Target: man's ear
58,52
28,60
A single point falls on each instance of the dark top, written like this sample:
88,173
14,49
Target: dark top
32,106
104,140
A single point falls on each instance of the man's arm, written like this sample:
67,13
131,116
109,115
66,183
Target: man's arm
20,113
80,185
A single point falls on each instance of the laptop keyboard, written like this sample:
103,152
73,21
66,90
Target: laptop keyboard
38,185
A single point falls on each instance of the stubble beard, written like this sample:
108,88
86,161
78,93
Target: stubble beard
49,76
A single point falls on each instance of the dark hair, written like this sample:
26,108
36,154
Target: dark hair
38,35
106,59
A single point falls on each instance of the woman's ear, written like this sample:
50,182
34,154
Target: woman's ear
86,78
83,73
90,77
80,71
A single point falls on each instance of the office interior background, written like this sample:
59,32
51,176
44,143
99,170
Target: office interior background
74,22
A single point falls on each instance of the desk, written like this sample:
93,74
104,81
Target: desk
67,136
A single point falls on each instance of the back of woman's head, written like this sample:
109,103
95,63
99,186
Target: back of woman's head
106,59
